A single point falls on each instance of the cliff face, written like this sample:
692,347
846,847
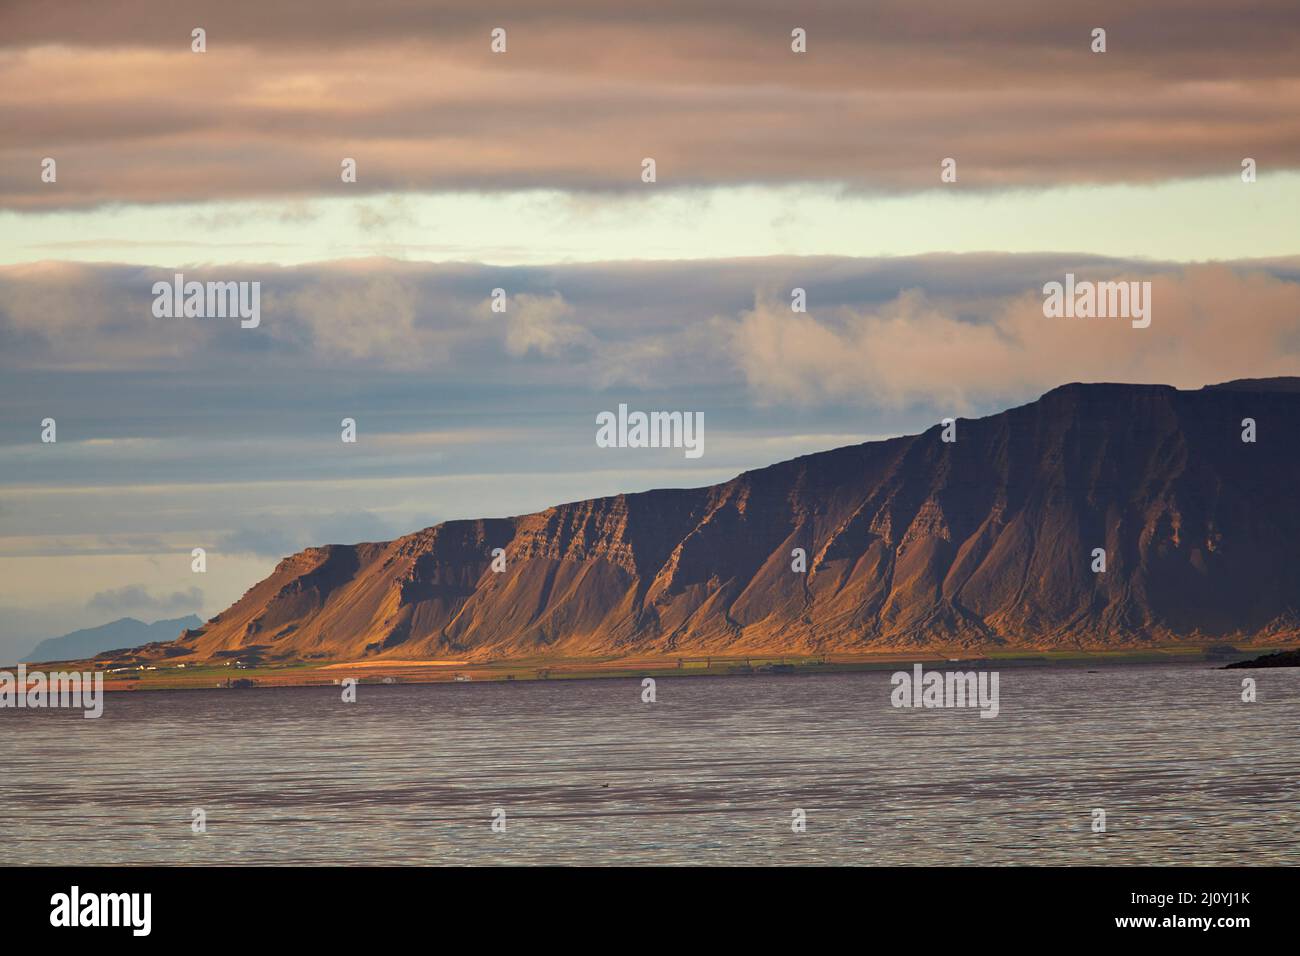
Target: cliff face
911,542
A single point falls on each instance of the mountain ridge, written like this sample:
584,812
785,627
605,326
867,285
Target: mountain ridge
911,542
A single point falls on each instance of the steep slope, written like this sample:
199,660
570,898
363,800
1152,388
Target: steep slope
910,542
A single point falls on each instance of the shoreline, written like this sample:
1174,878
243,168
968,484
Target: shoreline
332,673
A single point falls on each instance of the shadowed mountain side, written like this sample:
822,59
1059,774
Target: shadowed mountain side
911,542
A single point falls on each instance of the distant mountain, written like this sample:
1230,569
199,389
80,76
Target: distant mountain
126,632
911,543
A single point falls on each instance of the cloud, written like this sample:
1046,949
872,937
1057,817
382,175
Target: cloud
135,598
380,217
357,318
893,330
541,324
1010,89
296,212
1210,323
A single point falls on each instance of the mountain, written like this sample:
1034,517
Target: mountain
912,542
116,635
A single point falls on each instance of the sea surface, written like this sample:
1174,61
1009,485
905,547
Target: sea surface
710,773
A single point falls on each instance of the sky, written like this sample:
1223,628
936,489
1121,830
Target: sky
523,171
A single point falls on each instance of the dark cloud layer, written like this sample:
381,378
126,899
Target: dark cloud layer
711,91
876,329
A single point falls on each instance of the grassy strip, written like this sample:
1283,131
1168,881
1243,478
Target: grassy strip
170,677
